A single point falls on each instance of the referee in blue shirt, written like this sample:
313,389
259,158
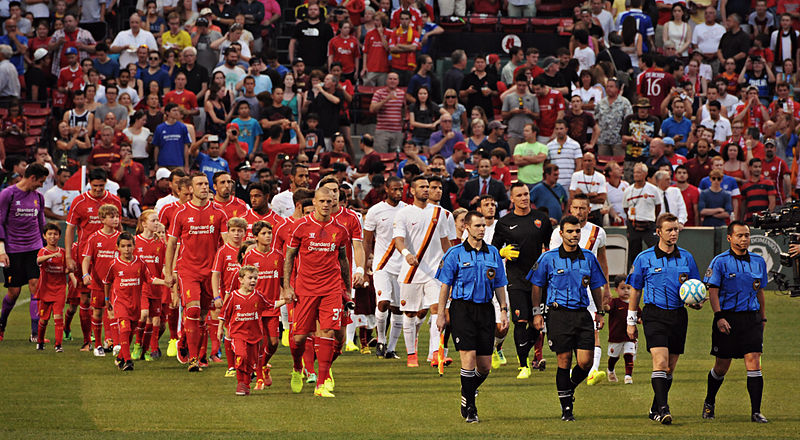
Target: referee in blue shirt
736,280
471,274
657,274
565,274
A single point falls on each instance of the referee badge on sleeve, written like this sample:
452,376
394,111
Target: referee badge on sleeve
535,266
683,277
756,284
585,281
490,273
709,272
441,264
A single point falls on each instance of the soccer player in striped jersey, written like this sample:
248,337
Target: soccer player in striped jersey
421,235
150,248
385,265
593,238
223,273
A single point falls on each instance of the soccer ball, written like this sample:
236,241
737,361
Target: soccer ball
693,292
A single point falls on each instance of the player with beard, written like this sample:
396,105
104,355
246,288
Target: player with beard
224,198
260,210
385,265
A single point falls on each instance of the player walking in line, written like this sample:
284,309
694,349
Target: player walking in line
21,228
150,248
618,340
83,217
593,238
657,275
736,280
420,234
165,215
123,283
472,273
224,198
567,274
270,276
98,254
260,211
521,235
224,272
52,285
386,261
322,278
199,225
241,314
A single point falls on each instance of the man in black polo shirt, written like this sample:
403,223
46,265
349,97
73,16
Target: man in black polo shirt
310,40
196,75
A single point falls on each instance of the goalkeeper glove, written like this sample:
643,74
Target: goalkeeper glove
509,252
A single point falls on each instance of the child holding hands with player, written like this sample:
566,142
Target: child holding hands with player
618,340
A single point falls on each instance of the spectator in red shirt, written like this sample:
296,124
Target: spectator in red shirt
499,169
785,103
186,99
337,155
551,108
690,193
273,146
403,45
344,49
775,169
752,112
129,173
758,193
107,152
375,65
407,7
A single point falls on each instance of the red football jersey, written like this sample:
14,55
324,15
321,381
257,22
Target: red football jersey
199,230
655,85
185,99
377,55
102,249
127,279
226,263
617,321
235,207
549,106
282,233
317,270
270,274
350,221
345,51
242,315
151,252
53,278
271,217
167,213
83,214
71,80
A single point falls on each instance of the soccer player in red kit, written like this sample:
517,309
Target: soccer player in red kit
98,254
52,285
83,217
225,271
270,276
168,309
319,244
224,198
242,315
618,340
259,202
150,248
124,280
199,225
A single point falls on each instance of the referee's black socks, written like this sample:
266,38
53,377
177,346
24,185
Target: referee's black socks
755,387
469,384
660,389
565,388
578,375
714,383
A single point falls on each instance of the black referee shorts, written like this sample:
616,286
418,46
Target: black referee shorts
472,326
665,328
746,336
22,267
520,305
570,329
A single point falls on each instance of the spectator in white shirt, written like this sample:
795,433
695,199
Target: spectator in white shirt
564,152
717,124
57,200
706,36
671,198
126,42
592,183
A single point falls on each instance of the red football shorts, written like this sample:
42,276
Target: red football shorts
246,354
46,308
74,294
123,311
195,288
152,305
98,299
310,309
269,326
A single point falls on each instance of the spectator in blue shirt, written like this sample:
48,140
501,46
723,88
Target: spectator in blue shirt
105,66
154,72
548,193
677,127
715,203
209,162
645,24
18,43
171,140
249,128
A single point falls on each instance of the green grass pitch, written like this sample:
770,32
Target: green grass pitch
45,395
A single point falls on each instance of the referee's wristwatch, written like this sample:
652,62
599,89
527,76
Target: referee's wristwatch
505,309
601,312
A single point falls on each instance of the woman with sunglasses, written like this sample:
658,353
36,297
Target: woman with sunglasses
456,110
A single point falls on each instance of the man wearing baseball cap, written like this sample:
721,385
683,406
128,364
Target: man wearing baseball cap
458,158
36,76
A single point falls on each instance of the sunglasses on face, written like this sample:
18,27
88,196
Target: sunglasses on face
450,97
716,178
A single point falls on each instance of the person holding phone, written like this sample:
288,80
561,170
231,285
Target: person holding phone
209,162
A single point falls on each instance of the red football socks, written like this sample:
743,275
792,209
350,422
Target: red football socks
326,350
125,339
309,354
86,322
97,330
212,330
59,328
147,336
297,356
229,356
192,330
140,325
42,329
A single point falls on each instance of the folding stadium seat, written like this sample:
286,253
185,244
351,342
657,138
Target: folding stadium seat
452,24
545,25
480,24
514,25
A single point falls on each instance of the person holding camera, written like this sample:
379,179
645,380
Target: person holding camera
756,73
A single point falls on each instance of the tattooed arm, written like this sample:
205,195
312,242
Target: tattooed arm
288,264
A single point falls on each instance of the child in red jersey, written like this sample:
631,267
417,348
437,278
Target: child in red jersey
99,253
150,248
618,340
123,281
223,274
241,314
270,277
52,285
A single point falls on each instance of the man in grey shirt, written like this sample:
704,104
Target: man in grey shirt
202,39
520,107
111,106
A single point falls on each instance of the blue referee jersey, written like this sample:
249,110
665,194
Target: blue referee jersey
659,276
472,273
739,278
565,276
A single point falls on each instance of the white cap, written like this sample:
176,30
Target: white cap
162,173
39,54
205,11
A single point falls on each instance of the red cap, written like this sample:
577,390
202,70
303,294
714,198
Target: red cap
233,125
493,58
461,146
